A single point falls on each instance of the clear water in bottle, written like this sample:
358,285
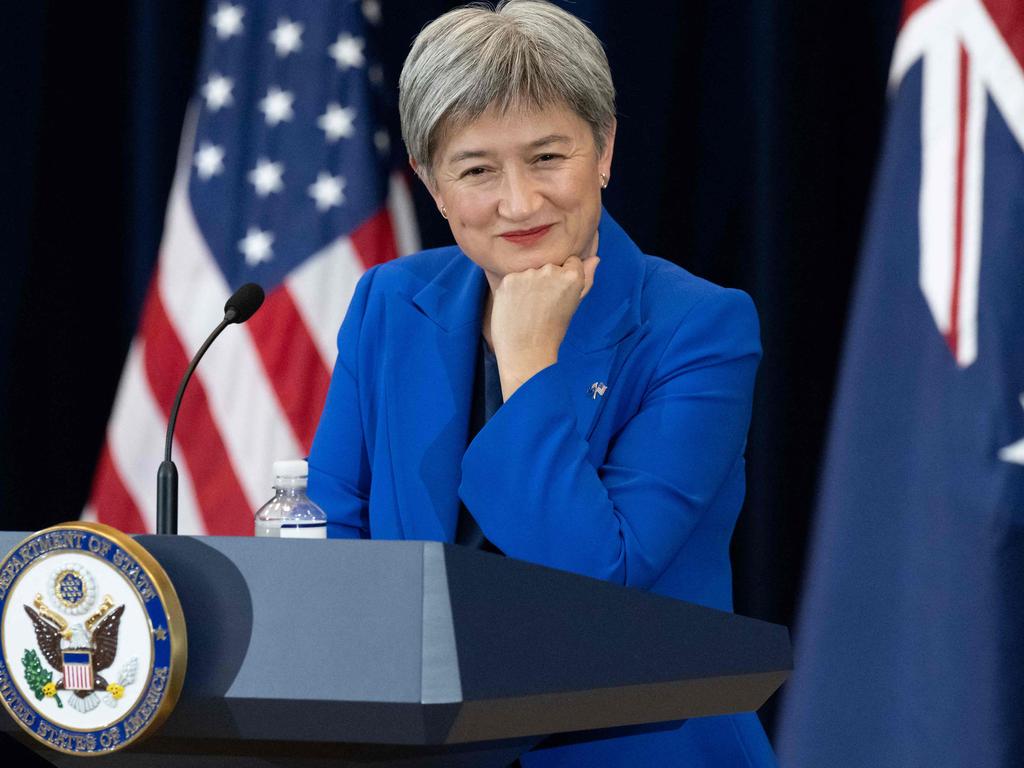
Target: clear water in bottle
291,514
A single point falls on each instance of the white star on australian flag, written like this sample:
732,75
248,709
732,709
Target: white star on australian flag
1014,453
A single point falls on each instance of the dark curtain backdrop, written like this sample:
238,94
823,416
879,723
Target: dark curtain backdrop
747,139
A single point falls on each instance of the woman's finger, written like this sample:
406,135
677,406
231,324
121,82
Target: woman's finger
574,264
589,268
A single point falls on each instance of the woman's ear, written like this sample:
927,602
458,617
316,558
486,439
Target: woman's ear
425,177
604,162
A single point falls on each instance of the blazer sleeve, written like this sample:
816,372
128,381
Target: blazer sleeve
532,488
339,467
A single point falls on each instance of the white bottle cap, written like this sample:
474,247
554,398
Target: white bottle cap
291,468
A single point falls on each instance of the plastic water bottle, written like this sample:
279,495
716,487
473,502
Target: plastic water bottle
291,514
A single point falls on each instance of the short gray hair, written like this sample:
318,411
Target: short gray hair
524,53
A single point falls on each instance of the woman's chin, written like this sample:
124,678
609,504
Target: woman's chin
535,258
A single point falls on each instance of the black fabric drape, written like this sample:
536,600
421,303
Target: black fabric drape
746,144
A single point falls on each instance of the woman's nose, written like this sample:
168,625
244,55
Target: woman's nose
519,197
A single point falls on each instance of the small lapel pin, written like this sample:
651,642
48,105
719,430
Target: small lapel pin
597,389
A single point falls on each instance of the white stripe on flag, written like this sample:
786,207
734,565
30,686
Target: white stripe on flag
939,171
322,288
135,437
244,407
403,215
78,677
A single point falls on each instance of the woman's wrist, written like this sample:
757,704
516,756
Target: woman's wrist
516,370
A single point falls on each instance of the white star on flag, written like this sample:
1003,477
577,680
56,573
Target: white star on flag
256,246
1014,453
266,177
276,106
347,51
328,191
228,20
217,92
209,160
382,141
286,37
376,73
371,10
337,121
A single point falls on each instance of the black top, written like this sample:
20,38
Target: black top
487,400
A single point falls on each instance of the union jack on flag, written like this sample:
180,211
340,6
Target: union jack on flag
910,644
284,179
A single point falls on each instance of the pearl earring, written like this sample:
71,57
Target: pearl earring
604,181
444,213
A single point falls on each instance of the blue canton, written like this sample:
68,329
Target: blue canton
290,148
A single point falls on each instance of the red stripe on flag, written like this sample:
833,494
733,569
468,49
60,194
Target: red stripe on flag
374,240
292,362
910,7
78,677
114,505
222,502
1008,16
953,335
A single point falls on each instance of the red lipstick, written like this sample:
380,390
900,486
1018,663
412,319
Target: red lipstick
527,236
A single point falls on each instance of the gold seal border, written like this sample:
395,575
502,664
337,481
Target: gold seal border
175,629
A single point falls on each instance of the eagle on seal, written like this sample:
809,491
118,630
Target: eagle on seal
97,649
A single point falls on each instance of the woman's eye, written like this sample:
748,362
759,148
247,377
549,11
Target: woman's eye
474,172
547,157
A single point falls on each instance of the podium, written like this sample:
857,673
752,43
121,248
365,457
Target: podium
417,654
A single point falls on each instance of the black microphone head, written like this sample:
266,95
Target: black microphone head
243,303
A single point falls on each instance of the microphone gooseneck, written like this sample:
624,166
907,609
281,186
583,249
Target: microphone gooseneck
240,307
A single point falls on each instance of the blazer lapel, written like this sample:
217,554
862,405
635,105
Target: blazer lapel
606,328
429,389
594,377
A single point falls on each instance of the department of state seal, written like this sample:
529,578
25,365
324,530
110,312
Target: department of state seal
92,639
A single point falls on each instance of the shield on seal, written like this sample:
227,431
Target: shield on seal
78,670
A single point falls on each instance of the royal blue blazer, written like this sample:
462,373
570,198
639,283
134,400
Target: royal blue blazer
640,485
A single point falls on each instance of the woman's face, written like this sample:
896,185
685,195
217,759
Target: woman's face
523,189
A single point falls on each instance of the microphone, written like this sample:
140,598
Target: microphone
243,303
240,307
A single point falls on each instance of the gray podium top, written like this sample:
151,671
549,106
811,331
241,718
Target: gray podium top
421,643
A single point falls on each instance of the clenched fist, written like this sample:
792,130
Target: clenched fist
528,316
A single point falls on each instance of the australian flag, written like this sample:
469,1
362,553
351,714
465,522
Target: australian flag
910,643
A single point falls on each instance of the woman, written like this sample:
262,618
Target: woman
543,389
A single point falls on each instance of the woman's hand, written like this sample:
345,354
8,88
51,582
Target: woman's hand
529,315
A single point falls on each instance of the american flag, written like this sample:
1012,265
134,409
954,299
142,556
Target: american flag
78,671
284,178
